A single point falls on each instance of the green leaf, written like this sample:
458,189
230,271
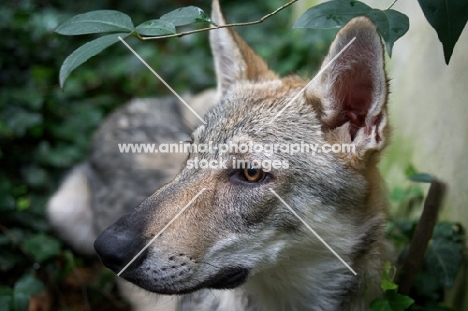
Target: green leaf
397,301
448,18
42,247
391,24
407,227
449,231
387,283
331,14
410,170
380,304
421,177
6,298
443,259
85,52
156,27
381,21
28,285
96,22
9,259
185,16
392,301
427,285
23,204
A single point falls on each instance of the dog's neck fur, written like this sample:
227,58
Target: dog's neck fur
306,282
303,282
300,286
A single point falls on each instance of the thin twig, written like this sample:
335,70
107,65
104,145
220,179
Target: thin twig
261,20
391,5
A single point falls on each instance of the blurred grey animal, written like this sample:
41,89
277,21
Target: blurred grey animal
110,183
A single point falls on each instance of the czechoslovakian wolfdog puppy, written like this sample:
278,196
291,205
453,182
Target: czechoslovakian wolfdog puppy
237,246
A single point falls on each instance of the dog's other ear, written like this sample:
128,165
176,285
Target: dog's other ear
234,59
352,92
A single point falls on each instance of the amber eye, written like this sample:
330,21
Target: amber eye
253,174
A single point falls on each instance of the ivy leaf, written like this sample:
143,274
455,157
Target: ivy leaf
96,22
387,283
448,18
410,170
443,259
185,16
390,24
9,259
397,301
449,231
6,298
28,285
42,247
392,301
427,285
156,27
421,177
380,304
85,52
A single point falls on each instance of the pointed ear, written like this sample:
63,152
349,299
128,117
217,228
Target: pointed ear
353,90
234,59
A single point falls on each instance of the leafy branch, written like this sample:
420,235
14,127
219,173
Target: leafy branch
391,300
447,18
121,25
261,20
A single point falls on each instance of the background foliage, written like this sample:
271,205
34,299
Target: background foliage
44,131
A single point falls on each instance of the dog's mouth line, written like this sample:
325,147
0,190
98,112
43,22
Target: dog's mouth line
228,279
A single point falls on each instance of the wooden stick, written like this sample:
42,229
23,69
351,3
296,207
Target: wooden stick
422,234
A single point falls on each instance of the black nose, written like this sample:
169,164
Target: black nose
118,245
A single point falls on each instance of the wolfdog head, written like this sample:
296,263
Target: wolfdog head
225,226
